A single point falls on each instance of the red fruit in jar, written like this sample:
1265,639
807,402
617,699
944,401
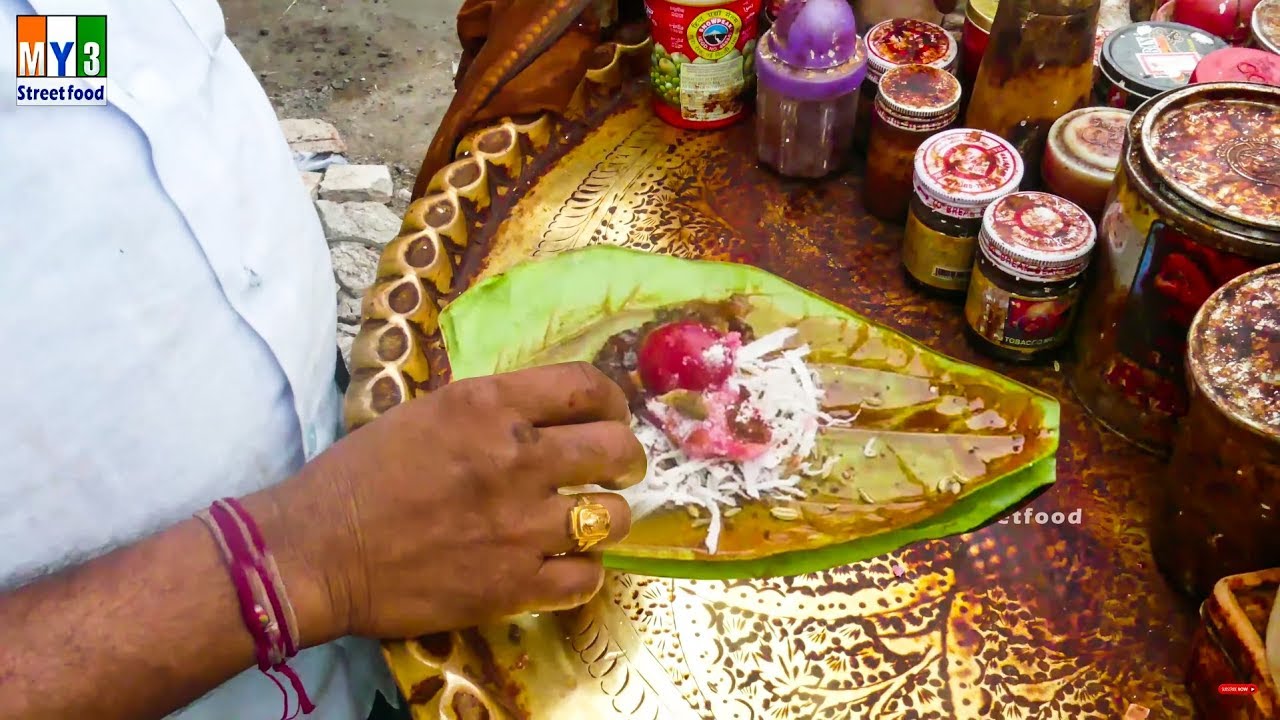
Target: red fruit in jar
1228,19
686,355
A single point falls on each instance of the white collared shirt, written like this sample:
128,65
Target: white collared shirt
168,329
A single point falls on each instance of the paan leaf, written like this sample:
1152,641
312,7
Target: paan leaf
937,446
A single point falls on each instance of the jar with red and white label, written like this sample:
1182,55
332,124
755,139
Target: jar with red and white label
958,173
1033,250
703,60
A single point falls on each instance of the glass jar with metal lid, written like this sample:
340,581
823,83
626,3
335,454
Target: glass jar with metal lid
1218,509
1264,28
958,173
1032,252
1142,60
1081,155
1196,203
914,102
902,41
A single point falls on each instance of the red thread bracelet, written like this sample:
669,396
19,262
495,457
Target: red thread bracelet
264,605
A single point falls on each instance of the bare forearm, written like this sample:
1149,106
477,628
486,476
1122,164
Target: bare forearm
135,634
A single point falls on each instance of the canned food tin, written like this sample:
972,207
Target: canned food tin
1215,515
703,60
1235,64
1196,203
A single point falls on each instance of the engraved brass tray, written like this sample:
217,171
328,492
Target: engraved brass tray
1018,620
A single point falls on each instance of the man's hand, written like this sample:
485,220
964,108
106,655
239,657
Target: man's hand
446,513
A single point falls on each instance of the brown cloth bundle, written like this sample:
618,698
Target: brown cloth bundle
519,57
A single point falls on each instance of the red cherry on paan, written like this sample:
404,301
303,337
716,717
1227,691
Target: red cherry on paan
685,355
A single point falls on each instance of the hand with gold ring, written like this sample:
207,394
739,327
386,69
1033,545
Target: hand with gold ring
455,509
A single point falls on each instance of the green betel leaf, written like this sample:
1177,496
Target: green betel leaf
937,446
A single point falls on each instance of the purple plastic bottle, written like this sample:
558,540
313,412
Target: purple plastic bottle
810,66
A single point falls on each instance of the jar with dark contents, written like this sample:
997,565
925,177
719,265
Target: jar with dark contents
958,173
903,41
1081,155
1264,28
1142,60
1196,203
1032,253
1218,510
809,66
1038,66
914,102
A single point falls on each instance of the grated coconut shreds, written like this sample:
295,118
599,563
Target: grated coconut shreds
788,396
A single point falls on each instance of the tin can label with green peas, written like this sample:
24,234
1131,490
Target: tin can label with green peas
703,60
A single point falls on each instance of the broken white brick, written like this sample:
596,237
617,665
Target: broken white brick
355,266
356,183
311,181
362,222
312,136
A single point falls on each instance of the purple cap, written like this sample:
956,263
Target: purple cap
812,52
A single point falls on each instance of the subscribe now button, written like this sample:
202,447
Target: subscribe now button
1237,689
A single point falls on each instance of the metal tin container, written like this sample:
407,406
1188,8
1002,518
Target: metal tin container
703,57
1196,203
1228,675
1264,28
1081,156
1142,60
1218,512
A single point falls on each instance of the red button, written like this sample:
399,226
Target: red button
1238,65
1237,689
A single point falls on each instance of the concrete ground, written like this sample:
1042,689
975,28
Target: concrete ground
380,70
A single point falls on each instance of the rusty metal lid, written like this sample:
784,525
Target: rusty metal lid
967,168
913,93
1234,349
1218,146
904,41
1038,236
1090,140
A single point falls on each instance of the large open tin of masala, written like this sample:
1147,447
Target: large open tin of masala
1196,203
1216,512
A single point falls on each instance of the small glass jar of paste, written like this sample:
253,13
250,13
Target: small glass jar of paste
958,173
1264,29
1081,156
1032,253
902,41
914,102
809,65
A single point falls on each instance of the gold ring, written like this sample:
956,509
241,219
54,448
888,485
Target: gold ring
589,522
